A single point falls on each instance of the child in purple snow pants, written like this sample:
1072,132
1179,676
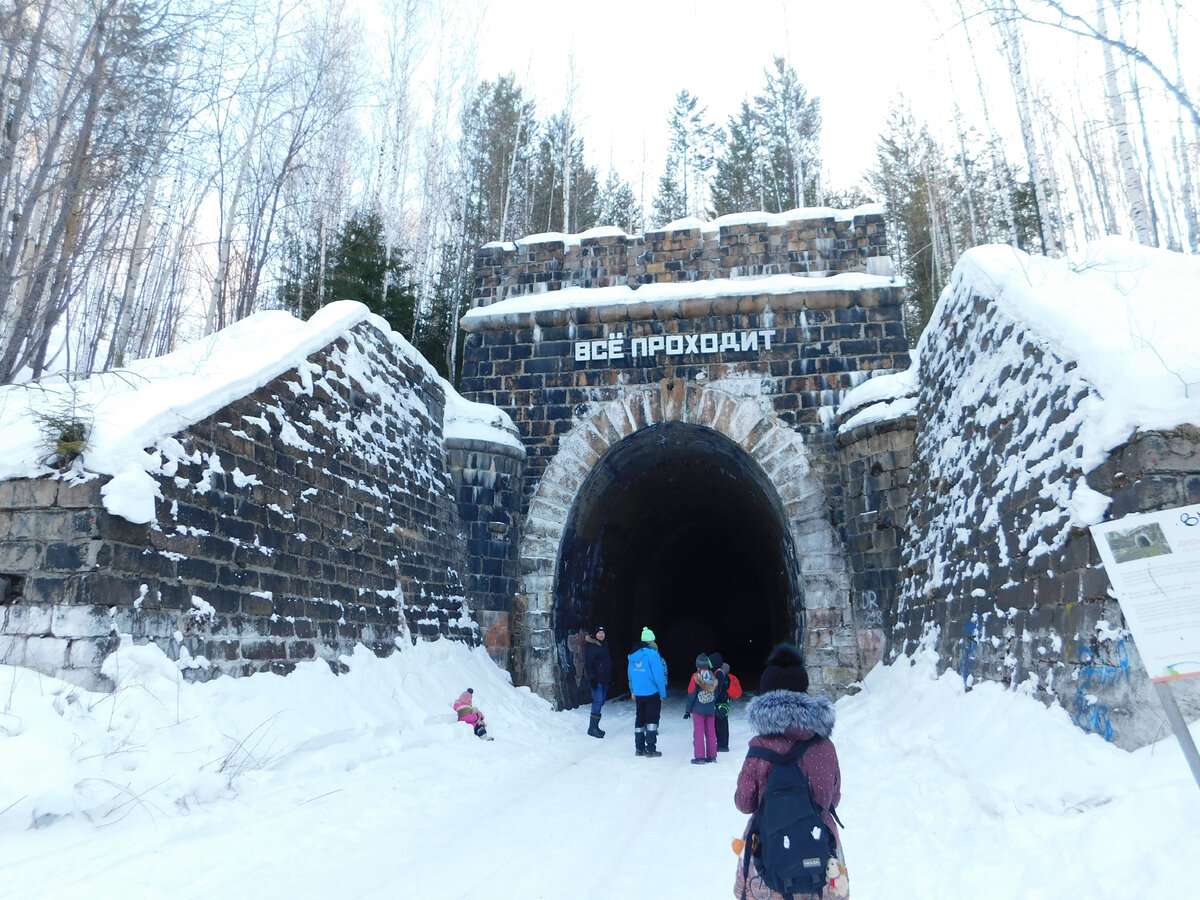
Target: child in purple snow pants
701,708
704,736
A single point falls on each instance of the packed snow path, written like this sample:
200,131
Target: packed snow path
363,786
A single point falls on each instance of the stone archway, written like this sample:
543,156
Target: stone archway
817,575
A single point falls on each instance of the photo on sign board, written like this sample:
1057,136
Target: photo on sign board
1138,543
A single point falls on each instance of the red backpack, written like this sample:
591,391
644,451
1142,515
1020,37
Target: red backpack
735,686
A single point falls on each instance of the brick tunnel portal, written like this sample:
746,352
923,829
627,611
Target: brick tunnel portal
677,528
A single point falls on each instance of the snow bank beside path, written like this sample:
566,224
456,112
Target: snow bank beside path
162,745
363,786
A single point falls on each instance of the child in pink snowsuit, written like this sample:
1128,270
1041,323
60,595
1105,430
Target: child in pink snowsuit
467,712
702,704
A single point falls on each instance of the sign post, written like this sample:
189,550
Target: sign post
1153,562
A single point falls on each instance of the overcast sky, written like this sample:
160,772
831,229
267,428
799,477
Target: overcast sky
631,58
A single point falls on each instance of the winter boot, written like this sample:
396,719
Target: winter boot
639,741
594,728
652,739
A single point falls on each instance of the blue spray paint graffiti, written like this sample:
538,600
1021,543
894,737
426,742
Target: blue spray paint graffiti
1092,715
970,651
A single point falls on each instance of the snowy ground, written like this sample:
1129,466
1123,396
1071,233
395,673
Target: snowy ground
364,786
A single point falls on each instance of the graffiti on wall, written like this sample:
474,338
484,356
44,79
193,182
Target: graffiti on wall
1087,711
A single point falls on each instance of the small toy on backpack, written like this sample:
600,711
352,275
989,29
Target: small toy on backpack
839,880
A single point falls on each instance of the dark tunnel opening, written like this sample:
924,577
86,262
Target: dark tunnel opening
678,529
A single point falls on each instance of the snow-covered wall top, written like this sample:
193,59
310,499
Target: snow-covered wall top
801,243
1042,367
142,405
690,223
1119,325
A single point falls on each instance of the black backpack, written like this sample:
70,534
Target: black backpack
788,839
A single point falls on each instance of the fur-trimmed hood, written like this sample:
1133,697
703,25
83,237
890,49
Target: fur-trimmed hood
777,712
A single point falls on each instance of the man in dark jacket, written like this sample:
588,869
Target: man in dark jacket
597,665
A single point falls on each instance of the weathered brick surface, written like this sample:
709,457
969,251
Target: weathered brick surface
297,521
805,246
571,411
993,574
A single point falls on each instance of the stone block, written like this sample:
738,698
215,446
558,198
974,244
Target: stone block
78,496
89,654
301,650
73,556
12,649
19,557
262,649
29,619
103,589
79,621
49,590
46,654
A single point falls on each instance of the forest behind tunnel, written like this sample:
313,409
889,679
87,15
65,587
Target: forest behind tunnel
677,529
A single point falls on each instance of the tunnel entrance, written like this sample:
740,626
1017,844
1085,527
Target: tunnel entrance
677,528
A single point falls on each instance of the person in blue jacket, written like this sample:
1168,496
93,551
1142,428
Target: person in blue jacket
648,684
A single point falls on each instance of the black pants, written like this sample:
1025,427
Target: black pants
645,724
722,724
648,710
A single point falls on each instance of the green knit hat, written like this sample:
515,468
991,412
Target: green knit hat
647,635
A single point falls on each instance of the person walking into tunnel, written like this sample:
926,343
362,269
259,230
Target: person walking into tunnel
597,665
728,689
648,685
702,710
791,728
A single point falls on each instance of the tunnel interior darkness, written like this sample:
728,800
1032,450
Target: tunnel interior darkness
678,529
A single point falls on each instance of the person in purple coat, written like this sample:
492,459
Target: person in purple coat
782,715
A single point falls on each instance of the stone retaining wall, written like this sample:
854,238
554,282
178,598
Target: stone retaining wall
313,514
994,576
875,472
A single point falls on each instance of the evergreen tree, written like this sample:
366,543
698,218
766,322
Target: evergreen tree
619,205
499,130
670,203
358,267
691,155
772,158
913,180
546,184
791,124
738,183
449,301
365,271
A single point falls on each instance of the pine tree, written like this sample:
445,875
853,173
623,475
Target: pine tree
691,155
915,182
499,130
619,205
791,125
738,183
358,266
583,191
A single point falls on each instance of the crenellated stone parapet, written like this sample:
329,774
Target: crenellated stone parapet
809,242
